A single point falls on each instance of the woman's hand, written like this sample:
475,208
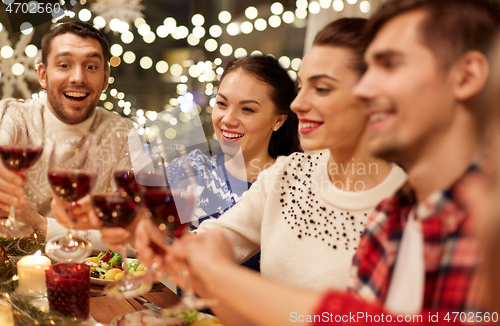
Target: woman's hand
81,215
117,237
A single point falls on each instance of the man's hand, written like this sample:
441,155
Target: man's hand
27,214
80,216
11,188
117,237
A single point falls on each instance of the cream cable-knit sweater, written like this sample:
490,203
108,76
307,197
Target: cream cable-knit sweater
306,228
103,124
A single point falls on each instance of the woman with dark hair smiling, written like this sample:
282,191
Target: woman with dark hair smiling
306,213
254,126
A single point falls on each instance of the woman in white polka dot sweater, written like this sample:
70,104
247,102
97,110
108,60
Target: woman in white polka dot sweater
306,213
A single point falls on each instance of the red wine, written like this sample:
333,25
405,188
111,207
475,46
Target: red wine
164,212
126,181
114,209
152,180
70,297
19,159
71,185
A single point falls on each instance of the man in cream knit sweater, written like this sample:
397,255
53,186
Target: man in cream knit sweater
74,71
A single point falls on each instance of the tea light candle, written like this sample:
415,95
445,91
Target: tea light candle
31,273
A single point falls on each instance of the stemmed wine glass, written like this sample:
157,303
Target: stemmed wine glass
21,144
72,173
119,209
170,197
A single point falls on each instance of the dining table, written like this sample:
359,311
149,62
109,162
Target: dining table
104,309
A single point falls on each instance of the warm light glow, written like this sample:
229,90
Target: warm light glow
277,8
146,62
149,38
99,22
194,71
17,69
301,4
170,23
161,67
338,5
246,27
314,7
31,50
251,12
211,45
176,69
181,32
288,17
115,24
6,52
284,62
260,24
224,17
116,50
351,2
144,29
240,53
274,21
256,52
199,32
129,57
218,61
301,13
365,7
295,64
226,49
325,4
233,29
115,61
84,15
215,31
127,37
162,31
193,40
292,74
198,20
139,21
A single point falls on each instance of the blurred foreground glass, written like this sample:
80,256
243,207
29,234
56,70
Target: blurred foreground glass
72,175
68,288
6,316
21,145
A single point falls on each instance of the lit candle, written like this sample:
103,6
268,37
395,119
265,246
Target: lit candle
31,273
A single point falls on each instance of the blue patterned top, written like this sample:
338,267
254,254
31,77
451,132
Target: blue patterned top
217,191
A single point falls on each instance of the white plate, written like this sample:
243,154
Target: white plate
102,282
134,317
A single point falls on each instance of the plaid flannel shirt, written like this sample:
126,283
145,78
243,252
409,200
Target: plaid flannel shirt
450,250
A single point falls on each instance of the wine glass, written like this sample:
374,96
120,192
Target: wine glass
119,209
171,200
72,173
21,145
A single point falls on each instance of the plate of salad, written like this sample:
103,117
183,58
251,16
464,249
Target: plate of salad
108,267
148,318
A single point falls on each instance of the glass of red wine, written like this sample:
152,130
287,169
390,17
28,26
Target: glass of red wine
21,145
119,208
170,196
72,174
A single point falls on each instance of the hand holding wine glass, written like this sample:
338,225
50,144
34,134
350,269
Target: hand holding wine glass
119,208
21,145
72,174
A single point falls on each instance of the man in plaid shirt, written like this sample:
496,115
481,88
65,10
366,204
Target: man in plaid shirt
426,65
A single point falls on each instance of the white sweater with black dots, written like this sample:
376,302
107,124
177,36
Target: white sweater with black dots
306,228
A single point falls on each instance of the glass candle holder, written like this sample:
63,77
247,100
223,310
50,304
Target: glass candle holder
68,289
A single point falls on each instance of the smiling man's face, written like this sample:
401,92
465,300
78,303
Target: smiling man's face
74,77
409,94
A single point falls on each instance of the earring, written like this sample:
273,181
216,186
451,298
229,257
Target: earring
275,128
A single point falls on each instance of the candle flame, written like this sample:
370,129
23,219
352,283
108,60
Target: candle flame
15,278
37,254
